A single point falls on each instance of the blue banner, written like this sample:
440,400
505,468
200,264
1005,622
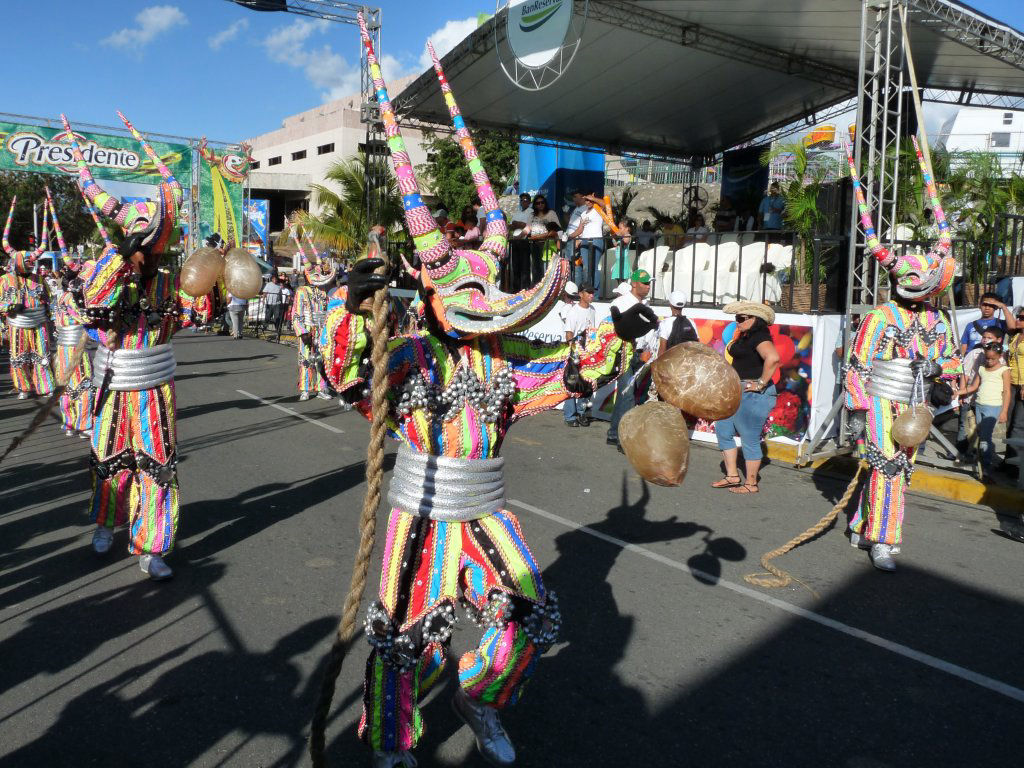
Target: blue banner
258,211
555,171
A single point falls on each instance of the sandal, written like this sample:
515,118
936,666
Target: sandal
745,488
726,482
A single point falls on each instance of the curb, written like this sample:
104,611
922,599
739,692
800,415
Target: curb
927,481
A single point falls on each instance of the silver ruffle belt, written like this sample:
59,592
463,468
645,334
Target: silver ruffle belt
28,318
450,490
893,380
134,369
68,335
319,319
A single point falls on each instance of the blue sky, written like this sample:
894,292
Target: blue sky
209,67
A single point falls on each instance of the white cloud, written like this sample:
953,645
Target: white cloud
446,38
151,22
323,67
228,34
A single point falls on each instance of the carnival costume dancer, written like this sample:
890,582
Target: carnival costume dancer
133,306
309,316
901,346
453,391
24,299
70,364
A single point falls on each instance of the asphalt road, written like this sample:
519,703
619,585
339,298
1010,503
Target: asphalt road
668,657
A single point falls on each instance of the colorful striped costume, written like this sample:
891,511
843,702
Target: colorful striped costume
76,400
888,332
308,316
133,315
431,564
134,437
30,346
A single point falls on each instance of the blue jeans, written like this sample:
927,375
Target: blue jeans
625,396
590,251
574,407
748,421
987,415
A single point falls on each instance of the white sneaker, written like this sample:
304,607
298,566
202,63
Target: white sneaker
303,397
322,396
155,566
69,432
23,395
393,759
102,538
491,739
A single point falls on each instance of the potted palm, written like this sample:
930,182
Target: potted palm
801,190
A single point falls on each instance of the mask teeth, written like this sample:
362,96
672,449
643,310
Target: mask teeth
871,238
7,227
496,230
426,236
56,224
945,239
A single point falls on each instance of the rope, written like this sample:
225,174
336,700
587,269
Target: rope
775,576
367,527
48,405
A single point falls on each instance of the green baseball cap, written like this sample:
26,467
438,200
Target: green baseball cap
640,276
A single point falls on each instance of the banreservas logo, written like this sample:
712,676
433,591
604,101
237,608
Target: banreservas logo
535,14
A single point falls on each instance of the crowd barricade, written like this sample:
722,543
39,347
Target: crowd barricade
257,322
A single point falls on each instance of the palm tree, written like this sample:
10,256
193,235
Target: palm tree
341,222
800,191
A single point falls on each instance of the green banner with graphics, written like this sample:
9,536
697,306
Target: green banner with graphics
221,191
38,149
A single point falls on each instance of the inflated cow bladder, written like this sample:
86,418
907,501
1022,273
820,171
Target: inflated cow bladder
657,442
200,272
696,379
242,275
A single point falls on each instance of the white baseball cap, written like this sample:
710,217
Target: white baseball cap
677,299
622,289
571,288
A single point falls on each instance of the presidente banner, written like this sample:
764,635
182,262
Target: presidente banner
221,192
39,149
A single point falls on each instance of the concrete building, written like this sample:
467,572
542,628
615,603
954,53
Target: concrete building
288,160
979,129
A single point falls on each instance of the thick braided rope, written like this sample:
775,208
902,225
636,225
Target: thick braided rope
367,531
48,405
776,577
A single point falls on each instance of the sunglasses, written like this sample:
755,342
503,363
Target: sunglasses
990,306
993,345
742,318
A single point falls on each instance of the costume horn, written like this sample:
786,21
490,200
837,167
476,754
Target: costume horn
7,228
496,231
871,238
56,224
95,217
105,203
945,244
431,245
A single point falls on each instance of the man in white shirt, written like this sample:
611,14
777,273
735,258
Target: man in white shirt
272,303
675,329
579,319
519,245
589,232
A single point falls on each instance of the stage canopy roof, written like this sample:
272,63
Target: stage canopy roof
692,78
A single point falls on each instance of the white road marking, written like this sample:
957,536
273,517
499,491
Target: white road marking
996,686
290,412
